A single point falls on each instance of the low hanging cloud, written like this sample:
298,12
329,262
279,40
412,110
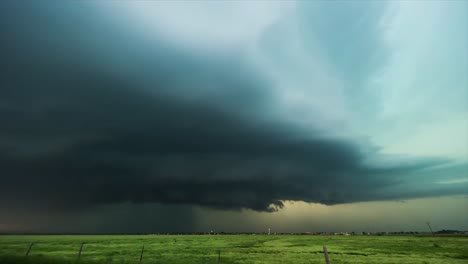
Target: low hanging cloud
151,124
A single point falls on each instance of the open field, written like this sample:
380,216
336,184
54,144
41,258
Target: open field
233,249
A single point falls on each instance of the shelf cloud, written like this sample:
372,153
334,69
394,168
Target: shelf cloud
93,112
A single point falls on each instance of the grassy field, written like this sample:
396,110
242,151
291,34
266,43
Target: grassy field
233,249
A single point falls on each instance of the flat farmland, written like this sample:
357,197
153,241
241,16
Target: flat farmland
233,249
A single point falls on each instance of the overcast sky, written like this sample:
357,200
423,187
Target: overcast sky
158,116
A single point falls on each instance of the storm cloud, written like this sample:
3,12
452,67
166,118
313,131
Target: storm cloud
91,115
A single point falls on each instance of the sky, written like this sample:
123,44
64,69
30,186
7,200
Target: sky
234,116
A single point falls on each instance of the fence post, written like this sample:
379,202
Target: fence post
325,252
141,255
29,249
79,251
219,255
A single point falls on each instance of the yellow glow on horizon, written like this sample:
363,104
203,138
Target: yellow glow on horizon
443,212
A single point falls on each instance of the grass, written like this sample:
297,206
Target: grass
245,249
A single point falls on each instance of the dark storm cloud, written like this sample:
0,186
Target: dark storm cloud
89,117
106,219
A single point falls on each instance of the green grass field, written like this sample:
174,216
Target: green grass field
233,248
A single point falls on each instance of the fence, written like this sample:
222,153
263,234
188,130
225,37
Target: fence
325,253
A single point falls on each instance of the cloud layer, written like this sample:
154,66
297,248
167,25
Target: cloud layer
92,114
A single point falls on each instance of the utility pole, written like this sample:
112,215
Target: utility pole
430,228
